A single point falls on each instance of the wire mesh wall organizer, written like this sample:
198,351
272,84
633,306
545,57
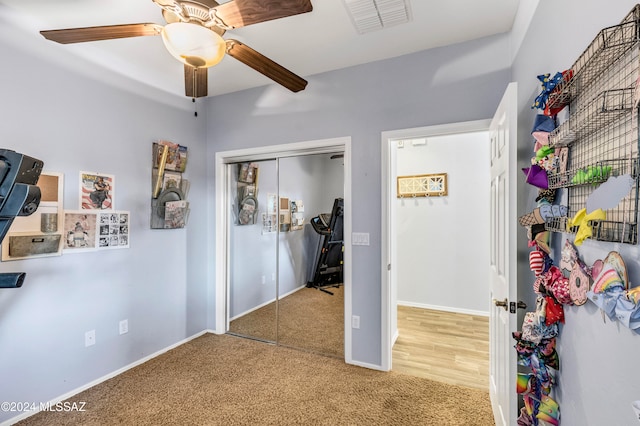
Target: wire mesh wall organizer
600,137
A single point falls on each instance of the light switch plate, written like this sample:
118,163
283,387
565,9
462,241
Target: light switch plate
360,238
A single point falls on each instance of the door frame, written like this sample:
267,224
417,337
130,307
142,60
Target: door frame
389,308
222,158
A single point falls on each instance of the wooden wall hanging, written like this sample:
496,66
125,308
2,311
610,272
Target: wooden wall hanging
431,185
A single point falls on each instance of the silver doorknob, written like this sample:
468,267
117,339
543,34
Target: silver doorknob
502,303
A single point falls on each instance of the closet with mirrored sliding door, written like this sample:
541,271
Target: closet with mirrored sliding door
273,251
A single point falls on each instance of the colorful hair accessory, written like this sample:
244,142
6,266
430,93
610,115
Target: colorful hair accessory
529,404
542,126
536,262
525,383
557,285
545,151
628,313
536,176
596,268
633,294
568,258
614,259
607,301
583,221
538,284
548,83
607,279
554,313
579,284
551,360
542,214
548,195
543,123
548,410
539,238
524,419
548,211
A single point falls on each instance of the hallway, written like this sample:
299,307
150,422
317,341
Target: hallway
444,346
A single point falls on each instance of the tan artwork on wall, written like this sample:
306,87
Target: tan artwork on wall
431,185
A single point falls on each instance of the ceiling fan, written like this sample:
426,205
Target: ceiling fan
193,35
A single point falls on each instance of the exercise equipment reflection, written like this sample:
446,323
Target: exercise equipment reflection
328,269
19,196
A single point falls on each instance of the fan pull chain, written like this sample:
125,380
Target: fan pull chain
195,76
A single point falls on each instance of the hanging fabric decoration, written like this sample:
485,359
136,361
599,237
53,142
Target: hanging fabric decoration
582,221
536,176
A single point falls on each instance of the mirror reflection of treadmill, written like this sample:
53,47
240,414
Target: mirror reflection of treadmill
328,270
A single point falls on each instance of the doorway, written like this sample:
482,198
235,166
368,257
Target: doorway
390,255
282,244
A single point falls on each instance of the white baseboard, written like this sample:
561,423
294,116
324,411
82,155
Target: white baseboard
444,308
76,391
367,365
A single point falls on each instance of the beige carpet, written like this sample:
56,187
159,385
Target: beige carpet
307,319
226,380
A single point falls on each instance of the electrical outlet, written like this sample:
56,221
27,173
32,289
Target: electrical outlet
264,279
90,338
124,326
355,321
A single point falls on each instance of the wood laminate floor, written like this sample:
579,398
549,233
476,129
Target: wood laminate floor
443,346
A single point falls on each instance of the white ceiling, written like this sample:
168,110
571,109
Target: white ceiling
322,40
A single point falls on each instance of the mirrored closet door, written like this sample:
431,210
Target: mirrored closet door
275,294
253,261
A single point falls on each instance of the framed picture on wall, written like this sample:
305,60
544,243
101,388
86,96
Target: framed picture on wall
80,231
97,191
113,230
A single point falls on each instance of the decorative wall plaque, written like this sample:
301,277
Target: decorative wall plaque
431,185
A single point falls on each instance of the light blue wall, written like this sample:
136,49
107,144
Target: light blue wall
597,383
75,123
459,83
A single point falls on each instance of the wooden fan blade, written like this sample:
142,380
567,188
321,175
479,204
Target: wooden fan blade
265,66
240,13
195,82
80,35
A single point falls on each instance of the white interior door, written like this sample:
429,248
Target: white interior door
502,316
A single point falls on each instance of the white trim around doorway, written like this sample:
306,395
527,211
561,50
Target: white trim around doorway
342,144
389,332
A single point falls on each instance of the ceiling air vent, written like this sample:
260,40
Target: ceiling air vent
372,15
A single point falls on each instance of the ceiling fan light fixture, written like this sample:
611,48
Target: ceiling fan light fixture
193,44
